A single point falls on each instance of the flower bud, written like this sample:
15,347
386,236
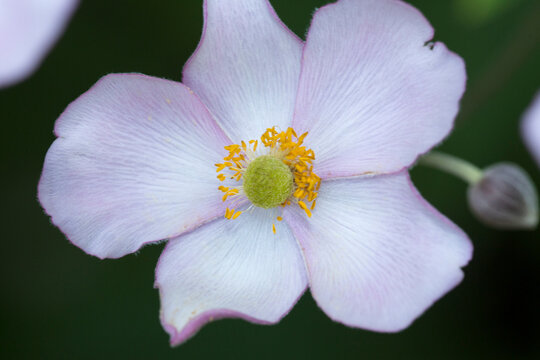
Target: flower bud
505,198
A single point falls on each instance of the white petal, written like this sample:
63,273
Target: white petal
133,163
371,94
28,28
229,268
246,67
530,128
377,254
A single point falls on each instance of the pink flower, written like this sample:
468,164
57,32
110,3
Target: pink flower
28,29
530,128
134,163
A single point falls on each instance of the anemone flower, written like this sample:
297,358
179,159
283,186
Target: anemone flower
530,128
28,29
229,164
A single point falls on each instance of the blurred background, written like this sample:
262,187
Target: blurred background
59,303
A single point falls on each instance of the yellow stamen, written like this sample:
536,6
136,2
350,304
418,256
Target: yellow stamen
286,146
274,228
228,192
220,167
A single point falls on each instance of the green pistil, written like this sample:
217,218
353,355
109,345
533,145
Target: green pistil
268,182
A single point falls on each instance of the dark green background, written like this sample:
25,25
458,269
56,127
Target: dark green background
59,303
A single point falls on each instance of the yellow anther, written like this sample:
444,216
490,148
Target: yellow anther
232,148
301,138
230,192
299,193
274,228
289,147
220,167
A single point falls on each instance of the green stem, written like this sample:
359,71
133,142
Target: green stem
452,165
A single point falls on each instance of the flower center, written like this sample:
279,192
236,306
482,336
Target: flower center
278,173
268,182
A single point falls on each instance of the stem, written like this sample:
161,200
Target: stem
452,165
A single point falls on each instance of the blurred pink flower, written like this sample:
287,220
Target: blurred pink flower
530,128
134,164
28,29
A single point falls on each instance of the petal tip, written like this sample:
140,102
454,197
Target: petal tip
196,322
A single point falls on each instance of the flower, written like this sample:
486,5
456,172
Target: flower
28,28
136,157
530,128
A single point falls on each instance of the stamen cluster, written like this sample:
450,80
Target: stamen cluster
284,145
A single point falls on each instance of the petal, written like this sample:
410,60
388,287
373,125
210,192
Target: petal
133,163
372,95
530,128
229,268
28,28
246,67
377,254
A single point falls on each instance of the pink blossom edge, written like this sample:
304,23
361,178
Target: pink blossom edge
196,323
338,175
87,93
205,24
293,225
